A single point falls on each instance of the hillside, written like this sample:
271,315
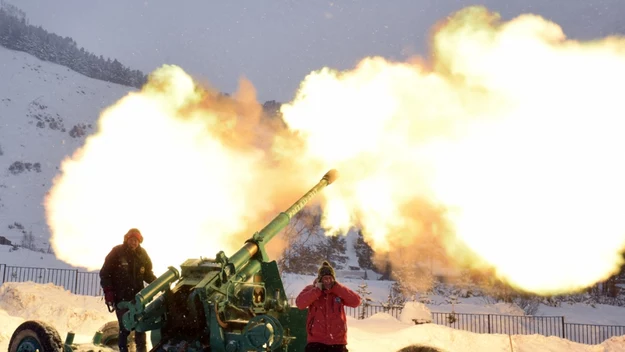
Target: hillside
46,111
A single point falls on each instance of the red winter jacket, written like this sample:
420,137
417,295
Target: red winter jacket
326,322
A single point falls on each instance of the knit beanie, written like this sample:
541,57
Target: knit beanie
326,269
133,233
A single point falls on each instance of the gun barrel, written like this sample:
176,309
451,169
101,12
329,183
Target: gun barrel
137,307
326,180
279,222
159,285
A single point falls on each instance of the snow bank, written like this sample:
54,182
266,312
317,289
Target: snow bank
415,312
19,302
380,332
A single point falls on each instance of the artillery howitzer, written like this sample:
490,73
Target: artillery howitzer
221,305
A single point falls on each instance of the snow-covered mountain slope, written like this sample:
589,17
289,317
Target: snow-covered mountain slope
46,111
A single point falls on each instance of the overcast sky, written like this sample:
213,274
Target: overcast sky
276,43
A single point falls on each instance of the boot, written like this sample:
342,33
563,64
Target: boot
123,341
140,342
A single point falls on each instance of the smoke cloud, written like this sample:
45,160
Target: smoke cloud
500,151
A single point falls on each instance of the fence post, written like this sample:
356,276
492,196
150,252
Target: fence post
4,269
563,326
76,282
488,323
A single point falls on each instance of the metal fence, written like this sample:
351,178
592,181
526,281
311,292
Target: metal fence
591,334
528,325
369,310
502,324
364,311
88,283
78,282
505,324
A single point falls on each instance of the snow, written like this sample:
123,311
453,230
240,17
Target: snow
381,332
415,312
26,258
30,301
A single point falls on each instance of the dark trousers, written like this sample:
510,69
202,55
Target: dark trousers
140,339
321,347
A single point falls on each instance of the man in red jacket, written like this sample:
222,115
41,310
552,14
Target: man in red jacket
326,323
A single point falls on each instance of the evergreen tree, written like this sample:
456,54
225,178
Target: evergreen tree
395,298
17,34
333,250
364,252
366,300
387,268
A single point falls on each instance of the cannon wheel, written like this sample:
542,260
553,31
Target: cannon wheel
110,336
263,329
33,335
419,348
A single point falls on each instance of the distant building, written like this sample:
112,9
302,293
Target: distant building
4,241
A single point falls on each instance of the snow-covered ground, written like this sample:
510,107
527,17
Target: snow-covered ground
381,332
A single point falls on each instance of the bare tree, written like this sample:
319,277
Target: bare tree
303,237
28,240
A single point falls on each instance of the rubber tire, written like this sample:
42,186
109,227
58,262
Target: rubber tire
419,348
110,336
45,335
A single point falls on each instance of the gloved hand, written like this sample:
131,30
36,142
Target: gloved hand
109,296
319,284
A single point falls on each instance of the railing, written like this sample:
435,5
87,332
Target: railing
369,310
364,311
78,282
591,334
88,283
502,324
527,325
505,324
